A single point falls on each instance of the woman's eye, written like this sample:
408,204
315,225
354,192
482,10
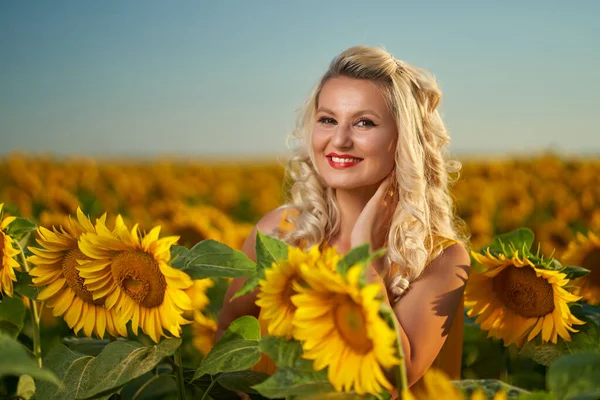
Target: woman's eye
326,121
366,122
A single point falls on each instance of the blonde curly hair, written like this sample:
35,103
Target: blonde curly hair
425,206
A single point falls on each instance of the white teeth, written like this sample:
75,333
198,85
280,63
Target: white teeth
344,160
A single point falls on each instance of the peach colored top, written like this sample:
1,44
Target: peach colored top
448,360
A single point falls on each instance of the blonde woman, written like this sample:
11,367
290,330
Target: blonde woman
369,168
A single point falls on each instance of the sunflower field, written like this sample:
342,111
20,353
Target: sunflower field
113,274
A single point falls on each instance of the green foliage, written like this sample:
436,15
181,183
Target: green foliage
178,254
521,238
241,381
295,376
537,396
84,345
288,382
573,272
12,315
575,375
586,340
487,358
150,386
216,294
15,361
269,250
85,377
25,387
357,255
210,258
285,353
20,228
24,287
489,386
237,350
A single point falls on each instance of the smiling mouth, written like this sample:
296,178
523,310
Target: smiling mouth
342,161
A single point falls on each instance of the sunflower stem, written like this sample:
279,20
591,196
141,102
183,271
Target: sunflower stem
180,382
212,383
35,315
401,380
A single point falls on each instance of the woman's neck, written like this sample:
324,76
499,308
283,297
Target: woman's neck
351,204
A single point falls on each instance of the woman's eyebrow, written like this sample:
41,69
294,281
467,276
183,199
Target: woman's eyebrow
366,111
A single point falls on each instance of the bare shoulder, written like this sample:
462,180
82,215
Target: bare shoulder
270,221
452,260
267,225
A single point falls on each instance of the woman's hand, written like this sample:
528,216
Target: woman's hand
373,223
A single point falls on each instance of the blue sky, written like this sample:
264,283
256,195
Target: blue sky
218,78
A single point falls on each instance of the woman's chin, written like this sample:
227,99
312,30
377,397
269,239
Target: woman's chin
347,184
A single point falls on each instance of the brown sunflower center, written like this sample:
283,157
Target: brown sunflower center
138,275
1,246
288,292
592,262
524,293
350,323
75,282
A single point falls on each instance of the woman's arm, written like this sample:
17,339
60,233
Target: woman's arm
245,305
426,312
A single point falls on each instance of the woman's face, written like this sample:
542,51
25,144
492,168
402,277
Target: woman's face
354,137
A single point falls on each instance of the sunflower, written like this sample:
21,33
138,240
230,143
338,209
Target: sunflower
437,385
204,329
7,257
515,300
274,298
340,327
132,272
195,224
197,293
553,237
584,252
64,292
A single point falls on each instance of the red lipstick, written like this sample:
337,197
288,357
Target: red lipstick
342,161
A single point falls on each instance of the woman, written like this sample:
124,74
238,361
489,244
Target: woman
369,169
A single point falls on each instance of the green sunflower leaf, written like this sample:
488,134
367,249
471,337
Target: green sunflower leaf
586,340
248,286
587,312
15,361
489,386
178,254
518,239
285,353
269,250
287,382
575,375
575,272
537,396
237,350
20,228
24,287
119,363
241,381
552,264
210,258
12,315
357,255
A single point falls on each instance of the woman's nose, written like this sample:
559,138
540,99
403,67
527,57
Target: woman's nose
342,137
